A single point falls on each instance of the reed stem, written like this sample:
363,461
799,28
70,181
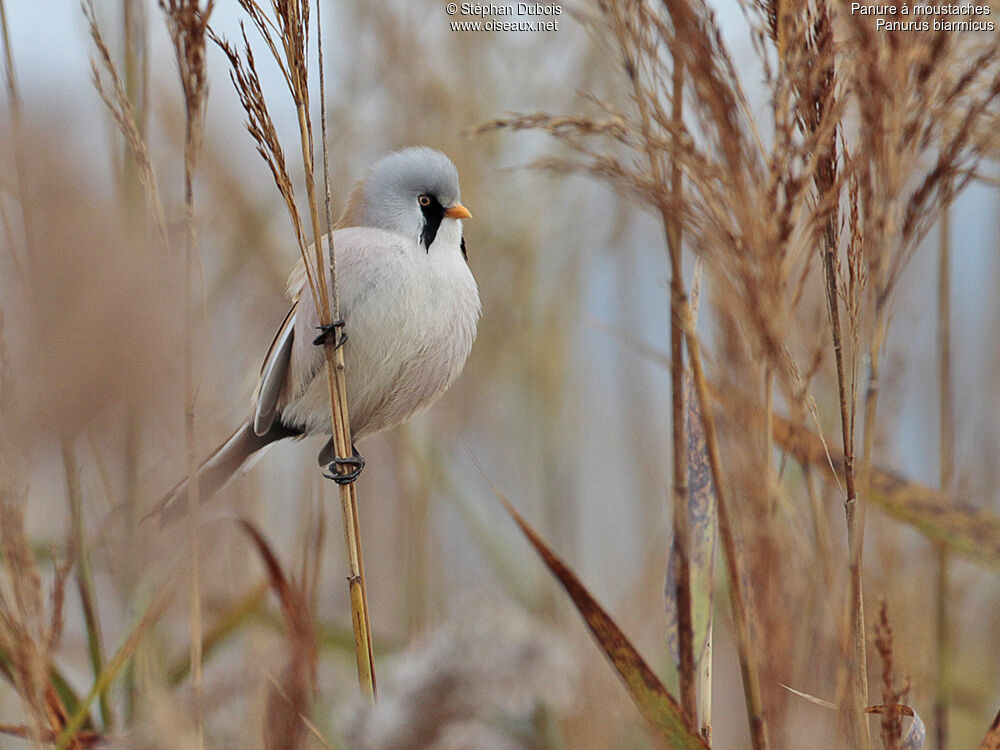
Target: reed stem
947,469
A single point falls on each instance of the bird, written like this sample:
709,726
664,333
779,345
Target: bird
409,309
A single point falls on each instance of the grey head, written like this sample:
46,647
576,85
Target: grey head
410,192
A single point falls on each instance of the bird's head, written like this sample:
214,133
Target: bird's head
410,192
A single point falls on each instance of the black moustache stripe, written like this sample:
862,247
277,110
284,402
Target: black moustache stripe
433,214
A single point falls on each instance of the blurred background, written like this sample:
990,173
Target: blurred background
564,401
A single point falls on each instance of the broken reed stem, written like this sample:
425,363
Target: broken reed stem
947,468
337,386
687,669
734,566
705,677
672,230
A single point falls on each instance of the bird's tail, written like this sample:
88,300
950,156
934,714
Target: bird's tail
216,471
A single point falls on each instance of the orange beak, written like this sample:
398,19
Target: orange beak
458,211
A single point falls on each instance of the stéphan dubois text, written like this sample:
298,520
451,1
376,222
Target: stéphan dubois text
515,9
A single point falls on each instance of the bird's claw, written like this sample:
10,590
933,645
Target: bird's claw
329,334
357,461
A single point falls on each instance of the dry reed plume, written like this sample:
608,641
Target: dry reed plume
805,172
871,137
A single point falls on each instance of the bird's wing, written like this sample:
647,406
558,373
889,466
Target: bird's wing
274,373
366,260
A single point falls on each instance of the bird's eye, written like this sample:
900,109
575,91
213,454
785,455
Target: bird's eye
424,200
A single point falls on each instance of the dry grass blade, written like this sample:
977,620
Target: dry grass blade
811,698
289,702
123,113
293,605
892,721
653,700
992,739
29,630
14,100
243,72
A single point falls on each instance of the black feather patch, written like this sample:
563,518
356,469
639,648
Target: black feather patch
433,214
465,254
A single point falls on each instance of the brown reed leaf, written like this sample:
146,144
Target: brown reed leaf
290,699
971,532
992,739
653,700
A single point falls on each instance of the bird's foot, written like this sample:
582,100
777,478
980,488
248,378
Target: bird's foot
330,334
333,472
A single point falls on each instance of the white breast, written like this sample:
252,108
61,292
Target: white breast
410,316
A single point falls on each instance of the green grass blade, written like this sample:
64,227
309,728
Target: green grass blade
115,665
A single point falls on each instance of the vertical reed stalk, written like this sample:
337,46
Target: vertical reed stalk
290,32
947,469
136,92
767,454
825,179
194,499
14,103
859,674
682,317
329,311
678,301
188,24
682,535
